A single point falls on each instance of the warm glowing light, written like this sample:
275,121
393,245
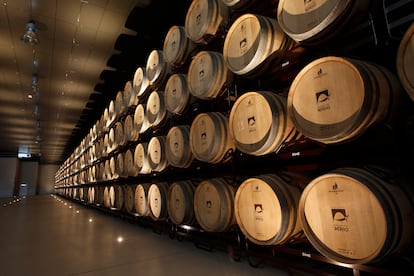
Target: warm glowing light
77,211
120,239
90,220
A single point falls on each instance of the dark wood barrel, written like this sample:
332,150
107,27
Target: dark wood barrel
177,150
177,46
141,199
157,158
334,99
252,43
157,69
405,61
206,20
259,123
210,140
352,215
181,202
266,209
208,76
157,200
214,205
140,83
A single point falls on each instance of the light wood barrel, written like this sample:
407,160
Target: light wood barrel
141,199
114,169
210,140
120,106
131,169
177,96
107,175
157,69
129,198
335,99
259,123
91,195
120,167
255,6
112,144
266,209
177,150
177,46
214,205
130,98
141,123
141,158
208,76
353,216
140,83
181,202
131,133
206,20
116,197
311,21
405,61
156,111
157,158
252,43
112,116
106,197
120,137
157,200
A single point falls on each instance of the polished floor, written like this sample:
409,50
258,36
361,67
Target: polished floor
48,235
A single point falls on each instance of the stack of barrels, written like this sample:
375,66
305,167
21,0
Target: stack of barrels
169,119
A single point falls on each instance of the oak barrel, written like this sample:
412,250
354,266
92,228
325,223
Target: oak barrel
157,158
352,215
141,199
129,198
131,169
157,69
334,99
266,209
141,158
405,61
116,197
131,133
259,123
156,111
177,96
141,123
177,46
210,140
208,76
177,146
180,203
140,83
214,205
253,43
157,200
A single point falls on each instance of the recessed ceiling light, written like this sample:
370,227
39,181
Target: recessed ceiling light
30,96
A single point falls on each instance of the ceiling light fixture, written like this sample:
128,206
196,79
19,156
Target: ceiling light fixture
30,35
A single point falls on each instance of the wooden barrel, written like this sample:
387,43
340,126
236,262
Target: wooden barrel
131,169
157,69
266,209
208,76
131,133
157,200
114,170
112,144
108,170
91,195
106,197
140,83
141,158
112,116
253,43
177,46
359,216
120,137
177,96
405,61
120,167
157,158
259,123
177,147
101,173
116,197
180,203
129,198
255,6
120,105
141,199
214,205
312,22
335,99
141,123
206,20
156,111
210,140
130,98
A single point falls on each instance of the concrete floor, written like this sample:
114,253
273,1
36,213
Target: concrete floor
49,235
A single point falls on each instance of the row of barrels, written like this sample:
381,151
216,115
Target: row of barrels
331,100
351,215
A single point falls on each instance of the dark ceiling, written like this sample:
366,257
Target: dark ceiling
87,51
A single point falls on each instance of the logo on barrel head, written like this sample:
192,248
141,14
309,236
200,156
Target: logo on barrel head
309,4
339,215
258,208
322,100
